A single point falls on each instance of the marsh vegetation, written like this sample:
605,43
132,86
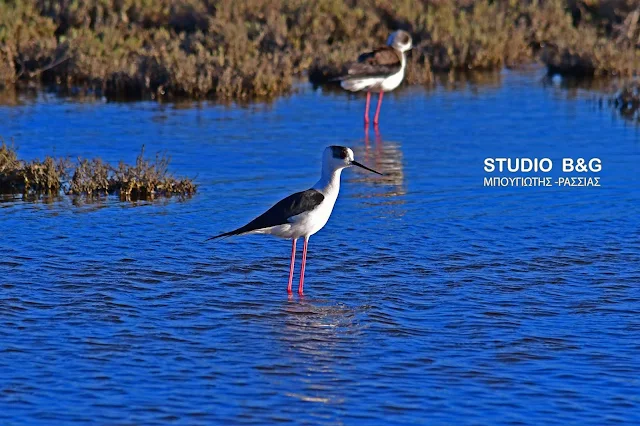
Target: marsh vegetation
253,49
145,180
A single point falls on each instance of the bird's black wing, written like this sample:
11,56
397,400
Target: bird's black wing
280,213
381,62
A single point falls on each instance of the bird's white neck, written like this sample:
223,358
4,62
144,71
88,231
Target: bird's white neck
329,183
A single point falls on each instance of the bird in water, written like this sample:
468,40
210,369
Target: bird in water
302,214
381,70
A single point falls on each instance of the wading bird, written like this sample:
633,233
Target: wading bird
381,70
302,214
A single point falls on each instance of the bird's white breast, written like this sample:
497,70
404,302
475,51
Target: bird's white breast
393,81
317,218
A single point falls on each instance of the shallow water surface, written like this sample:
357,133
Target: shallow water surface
430,299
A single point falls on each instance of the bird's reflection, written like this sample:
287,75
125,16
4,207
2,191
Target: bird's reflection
378,138
318,328
311,321
386,157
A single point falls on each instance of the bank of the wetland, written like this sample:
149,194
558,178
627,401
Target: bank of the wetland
146,180
243,50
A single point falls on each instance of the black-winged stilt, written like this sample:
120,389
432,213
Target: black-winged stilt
381,70
302,214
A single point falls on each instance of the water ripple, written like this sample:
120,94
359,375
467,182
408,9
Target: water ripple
430,299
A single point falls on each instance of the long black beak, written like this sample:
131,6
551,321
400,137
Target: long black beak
355,163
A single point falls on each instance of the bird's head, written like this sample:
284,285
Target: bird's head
338,157
400,40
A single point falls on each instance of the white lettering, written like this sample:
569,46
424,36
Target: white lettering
544,168
595,165
567,165
488,165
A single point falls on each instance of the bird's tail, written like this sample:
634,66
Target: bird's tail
215,237
239,231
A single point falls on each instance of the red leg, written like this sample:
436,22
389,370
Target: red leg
304,262
293,262
366,109
375,119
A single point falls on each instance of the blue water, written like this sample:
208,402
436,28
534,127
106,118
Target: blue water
430,299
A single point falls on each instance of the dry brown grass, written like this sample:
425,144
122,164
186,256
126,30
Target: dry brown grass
240,50
35,176
601,40
90,177
145,180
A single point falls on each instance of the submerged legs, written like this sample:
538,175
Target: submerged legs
293,262
304,262
375,119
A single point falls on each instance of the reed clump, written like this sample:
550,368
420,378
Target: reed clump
145,180
17,176
239,50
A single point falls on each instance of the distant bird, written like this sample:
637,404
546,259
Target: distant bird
381,70
304,213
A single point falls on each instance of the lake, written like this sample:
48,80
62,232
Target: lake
430,298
